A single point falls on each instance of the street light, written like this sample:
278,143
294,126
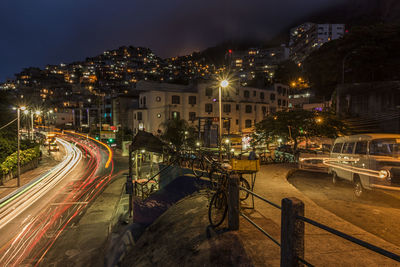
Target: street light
23,108
222,84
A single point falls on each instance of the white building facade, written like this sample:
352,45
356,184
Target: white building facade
242,107
307,37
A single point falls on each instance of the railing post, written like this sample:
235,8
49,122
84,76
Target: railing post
233,202
292,232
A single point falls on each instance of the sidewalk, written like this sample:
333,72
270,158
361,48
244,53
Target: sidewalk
321,247
46,163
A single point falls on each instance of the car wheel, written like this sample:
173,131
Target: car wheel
359,190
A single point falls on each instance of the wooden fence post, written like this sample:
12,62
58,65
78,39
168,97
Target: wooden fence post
292,232
233,202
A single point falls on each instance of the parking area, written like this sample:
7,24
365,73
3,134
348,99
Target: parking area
377,213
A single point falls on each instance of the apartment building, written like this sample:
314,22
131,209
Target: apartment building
242,107
308,37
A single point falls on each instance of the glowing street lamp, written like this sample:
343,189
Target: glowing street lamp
223,84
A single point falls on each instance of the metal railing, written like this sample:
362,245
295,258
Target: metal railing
292,232
299,256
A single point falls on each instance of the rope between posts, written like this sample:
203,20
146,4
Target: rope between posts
352,239
260,197
260,229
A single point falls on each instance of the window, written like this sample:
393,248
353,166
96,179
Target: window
385,147
279,90
192,100
361,148
337,148
192,116
348,148
247,124
237,122
254,93
284,103
237,106
227,108
272,97
279,102
226,124
176,99
264,109
248,109
208,107
246,94
139,116
144,101
209,91
176,115
262,95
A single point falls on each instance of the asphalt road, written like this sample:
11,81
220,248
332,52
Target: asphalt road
30,231
377,213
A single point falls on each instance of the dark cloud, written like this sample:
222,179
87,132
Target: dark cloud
36,33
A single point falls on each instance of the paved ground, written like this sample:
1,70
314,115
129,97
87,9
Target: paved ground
321,248
377,213
47,162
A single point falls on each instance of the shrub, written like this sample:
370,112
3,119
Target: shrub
26,156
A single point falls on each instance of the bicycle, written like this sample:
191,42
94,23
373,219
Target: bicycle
218,206
219,202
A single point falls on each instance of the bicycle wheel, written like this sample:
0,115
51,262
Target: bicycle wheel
243,194
198,167
218,208
214,179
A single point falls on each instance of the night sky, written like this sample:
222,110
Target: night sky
40,32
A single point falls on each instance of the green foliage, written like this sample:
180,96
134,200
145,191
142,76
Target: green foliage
296,125
26,156
124,134
179,133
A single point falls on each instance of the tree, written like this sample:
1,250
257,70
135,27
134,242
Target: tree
296,125
179,133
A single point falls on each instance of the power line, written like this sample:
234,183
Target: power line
7,124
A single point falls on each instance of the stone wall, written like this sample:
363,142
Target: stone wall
24,168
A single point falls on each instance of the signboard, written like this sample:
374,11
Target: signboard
107,135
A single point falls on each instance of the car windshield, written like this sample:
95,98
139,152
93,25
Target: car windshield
385,147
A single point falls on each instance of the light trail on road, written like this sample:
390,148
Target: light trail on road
83,181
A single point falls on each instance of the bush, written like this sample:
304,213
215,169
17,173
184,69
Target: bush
26,156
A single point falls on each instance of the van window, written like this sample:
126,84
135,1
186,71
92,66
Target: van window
361,148
337,148
348,148
385,147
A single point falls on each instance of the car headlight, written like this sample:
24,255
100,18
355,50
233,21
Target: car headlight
384,174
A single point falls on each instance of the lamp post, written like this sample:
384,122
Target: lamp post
222,84
18,145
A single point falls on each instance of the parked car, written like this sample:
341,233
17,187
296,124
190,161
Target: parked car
369,161
54,147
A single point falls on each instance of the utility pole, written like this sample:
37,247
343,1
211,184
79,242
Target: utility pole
18,145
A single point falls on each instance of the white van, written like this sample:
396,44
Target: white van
369,161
